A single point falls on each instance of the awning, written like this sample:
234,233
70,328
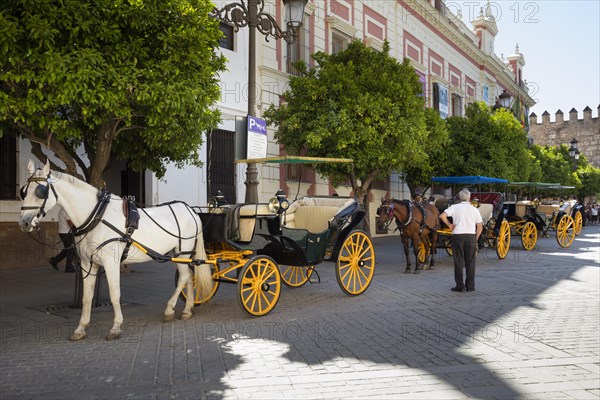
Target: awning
467,180
294,160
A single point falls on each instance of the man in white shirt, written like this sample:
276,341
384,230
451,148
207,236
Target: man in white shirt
466,227
64,232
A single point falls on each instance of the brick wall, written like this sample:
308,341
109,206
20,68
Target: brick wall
20,250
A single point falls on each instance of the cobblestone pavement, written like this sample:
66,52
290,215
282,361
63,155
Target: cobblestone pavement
531,330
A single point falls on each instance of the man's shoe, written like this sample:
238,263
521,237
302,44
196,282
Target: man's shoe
457,289
53,263
69,270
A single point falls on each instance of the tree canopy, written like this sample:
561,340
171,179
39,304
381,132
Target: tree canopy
131,79
490,143
360,104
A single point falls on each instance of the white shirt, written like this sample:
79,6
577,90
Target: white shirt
63,225
464,217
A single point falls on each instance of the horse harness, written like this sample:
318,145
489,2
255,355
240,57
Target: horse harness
130,211
409,206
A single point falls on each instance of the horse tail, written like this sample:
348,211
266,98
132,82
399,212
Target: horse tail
203,275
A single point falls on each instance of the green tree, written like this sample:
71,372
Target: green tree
590,181
130,79
489,143
437,161
556,164
360,104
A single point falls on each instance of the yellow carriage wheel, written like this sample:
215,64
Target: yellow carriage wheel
565,231
448,246
294,276
529,236
355,264
578,220
214,269
259,286
503,240
422,252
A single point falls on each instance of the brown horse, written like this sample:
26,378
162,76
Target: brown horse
416,222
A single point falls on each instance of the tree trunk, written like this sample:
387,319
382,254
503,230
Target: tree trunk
106,134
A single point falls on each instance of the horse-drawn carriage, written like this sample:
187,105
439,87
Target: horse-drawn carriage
260,246
496,230
247,244
529,218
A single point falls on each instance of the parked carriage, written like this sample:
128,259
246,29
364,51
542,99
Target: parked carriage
496,229
529,218
260,246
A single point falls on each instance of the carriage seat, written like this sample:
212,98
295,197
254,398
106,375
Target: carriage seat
487,211
521,208
314,213
570,204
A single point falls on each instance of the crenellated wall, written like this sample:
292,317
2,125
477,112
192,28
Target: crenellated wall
561,131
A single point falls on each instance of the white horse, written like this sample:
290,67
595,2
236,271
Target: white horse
161,229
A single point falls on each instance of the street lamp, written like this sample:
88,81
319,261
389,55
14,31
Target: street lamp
505,99
251,13
574,153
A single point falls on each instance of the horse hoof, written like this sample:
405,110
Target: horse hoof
168,317
113,336
186,315
431,267
408,271
76,336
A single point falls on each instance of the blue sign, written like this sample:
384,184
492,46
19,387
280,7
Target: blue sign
257,137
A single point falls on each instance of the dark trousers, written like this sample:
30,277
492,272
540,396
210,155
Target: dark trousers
464,251
68,252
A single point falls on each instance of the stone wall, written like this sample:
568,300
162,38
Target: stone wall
586,131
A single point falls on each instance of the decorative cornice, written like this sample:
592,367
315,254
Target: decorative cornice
342,26
374,43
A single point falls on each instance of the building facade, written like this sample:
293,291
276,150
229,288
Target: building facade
457,64
586,131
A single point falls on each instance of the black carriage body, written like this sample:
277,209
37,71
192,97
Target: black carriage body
299,246
271,235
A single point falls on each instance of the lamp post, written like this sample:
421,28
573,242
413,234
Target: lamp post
574,153
251,13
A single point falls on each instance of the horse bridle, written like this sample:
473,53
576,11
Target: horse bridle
390,213
42,192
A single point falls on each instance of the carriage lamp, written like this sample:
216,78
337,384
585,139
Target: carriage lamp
279,203
251,13
218,200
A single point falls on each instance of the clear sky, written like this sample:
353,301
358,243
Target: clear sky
560,40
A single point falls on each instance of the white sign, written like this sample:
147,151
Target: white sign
257,138
443,93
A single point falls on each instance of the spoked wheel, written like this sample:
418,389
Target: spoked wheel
565,231
259,286
422,252
578,220
214,269
293,276
448,246
356,263
529,236
503,240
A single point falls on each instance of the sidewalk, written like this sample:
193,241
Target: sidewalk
531,330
